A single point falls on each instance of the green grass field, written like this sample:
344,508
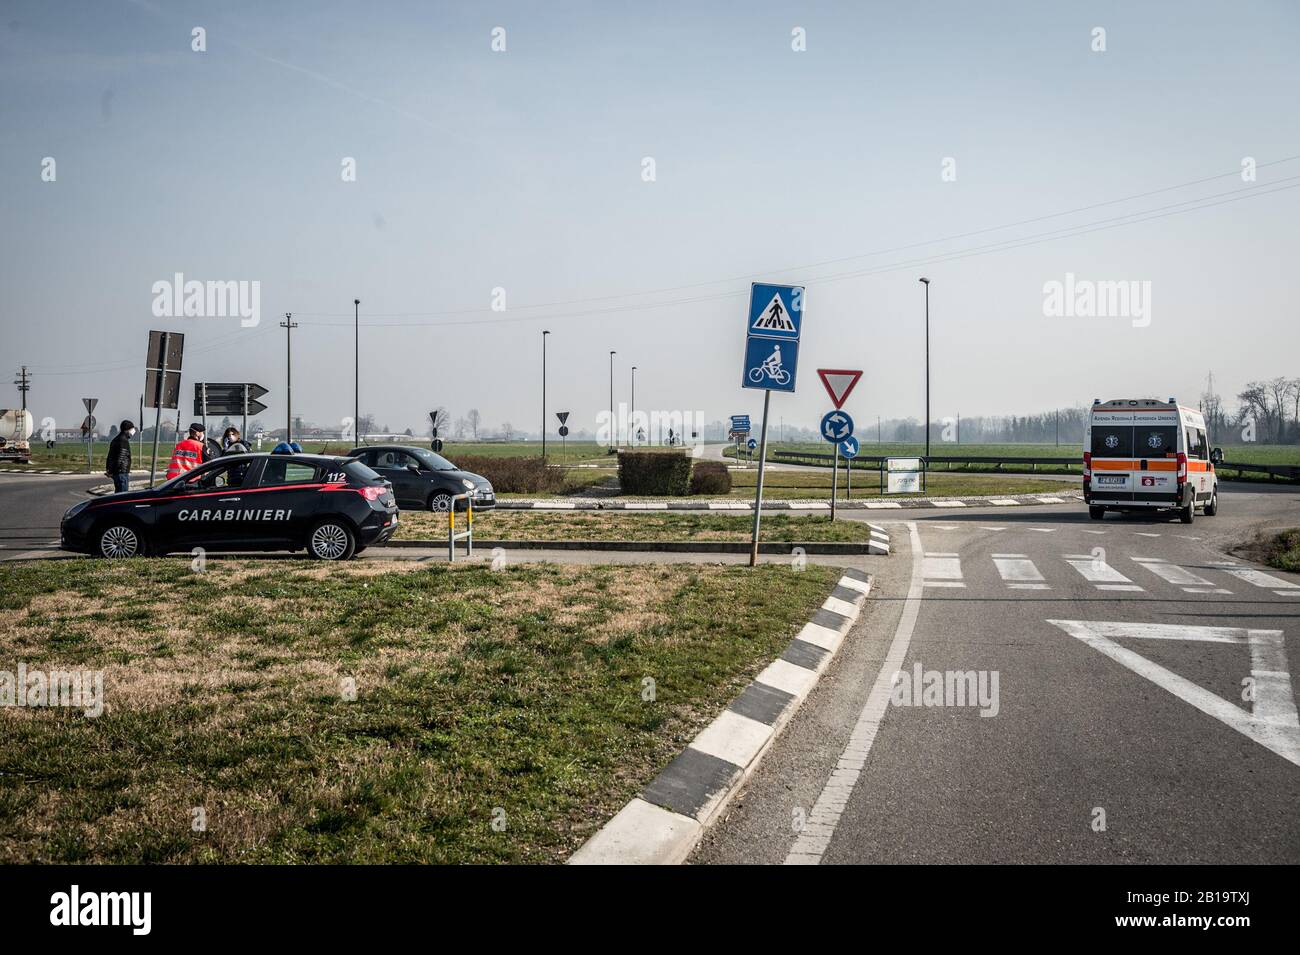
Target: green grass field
1071,455
493,716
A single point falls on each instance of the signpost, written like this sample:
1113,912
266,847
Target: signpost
904,475
564,433
837,426
227,398
772,332
435,443
88,428
162,382
849,448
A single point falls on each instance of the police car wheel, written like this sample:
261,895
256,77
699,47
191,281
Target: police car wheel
440,502
331,540
120,540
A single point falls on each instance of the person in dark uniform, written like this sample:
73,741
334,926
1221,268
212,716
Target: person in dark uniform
118,465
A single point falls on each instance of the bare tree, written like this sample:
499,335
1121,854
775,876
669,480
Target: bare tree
1279,390
460,428
474,419
507,429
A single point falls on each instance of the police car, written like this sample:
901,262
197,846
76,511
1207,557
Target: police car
333,507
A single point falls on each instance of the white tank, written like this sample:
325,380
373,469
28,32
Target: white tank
15,425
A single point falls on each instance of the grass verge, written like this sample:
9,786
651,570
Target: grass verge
633,526
516,696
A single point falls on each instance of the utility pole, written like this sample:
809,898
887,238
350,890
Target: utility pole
23,381
612,425
545,333
926,283
288,325
356,394
631,421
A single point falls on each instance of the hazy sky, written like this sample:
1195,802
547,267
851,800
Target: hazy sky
523,170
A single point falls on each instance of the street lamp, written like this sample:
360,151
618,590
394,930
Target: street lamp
631,420
356,395
926,283
612,425
544,334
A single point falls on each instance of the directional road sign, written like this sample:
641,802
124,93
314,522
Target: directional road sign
839,383
836,426
849,447
227,398
772,332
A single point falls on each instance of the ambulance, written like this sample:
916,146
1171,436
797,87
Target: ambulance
1142,453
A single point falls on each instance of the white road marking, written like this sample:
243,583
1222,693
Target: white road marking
1003,502
1273,722
1086,531
1145,534
1050,500
983,528
941,567
1256,578
815,838
1017,569
1132,587
1096,571
1172,573
1044,530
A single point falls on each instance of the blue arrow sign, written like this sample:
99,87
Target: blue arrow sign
751,444
849,447
836,426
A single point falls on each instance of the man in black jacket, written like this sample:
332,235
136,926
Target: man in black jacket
118,466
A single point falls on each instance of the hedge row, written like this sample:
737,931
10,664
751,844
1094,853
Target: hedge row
669,474
515,475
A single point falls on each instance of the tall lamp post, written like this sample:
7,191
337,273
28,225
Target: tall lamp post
545,333
288,325
612,425
631,420
926,283
356,394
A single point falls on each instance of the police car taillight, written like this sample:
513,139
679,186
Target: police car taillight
372,493
1182,468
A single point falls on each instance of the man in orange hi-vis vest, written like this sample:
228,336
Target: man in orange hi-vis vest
188,453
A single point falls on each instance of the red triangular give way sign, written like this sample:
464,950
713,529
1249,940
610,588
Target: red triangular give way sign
839,383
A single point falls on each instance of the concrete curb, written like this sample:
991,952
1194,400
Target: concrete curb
616,504
663,824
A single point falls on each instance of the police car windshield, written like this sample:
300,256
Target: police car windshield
434,462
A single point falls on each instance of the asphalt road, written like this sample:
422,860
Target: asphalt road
1120,733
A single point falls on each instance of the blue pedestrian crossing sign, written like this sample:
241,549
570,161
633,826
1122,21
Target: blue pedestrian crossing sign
849,447
836,426
772,333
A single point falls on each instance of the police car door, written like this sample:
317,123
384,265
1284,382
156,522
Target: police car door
202,510
286,501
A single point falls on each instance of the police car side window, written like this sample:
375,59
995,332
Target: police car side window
287,472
